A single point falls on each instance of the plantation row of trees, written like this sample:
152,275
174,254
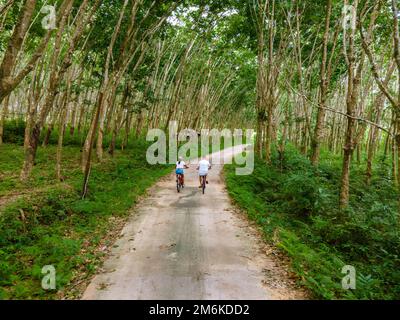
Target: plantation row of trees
317,74
113,68
329,71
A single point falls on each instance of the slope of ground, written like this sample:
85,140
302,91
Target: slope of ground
296,205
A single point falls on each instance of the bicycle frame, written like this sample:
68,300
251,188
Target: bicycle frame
179,182
203,183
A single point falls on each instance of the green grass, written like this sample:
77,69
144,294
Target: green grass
52,225
297,207
46,222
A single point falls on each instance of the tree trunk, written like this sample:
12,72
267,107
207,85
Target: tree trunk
353,81
87,150
7,82
3,118
319,126
34,133
58,70
117,121
62,125
14,46
379,104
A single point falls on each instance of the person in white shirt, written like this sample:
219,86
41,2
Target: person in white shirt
204,166
180,169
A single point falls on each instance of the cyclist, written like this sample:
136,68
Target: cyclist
180,167
204,166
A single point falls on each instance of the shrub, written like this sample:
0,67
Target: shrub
299,204
14,132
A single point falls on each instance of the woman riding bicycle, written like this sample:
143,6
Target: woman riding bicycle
180,170
203,167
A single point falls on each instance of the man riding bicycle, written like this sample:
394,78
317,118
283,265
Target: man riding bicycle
204,166
180,170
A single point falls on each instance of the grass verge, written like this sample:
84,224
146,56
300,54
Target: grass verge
53,226
297,207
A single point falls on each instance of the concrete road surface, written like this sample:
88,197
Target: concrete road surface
185,246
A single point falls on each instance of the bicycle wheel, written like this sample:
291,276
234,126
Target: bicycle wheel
178,184
204,184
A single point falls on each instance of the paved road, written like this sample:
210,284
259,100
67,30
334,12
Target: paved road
184,246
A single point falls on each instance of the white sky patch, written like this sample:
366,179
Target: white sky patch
175,18
176,22
228,13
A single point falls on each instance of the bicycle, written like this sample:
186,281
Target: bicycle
203,183
179,182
